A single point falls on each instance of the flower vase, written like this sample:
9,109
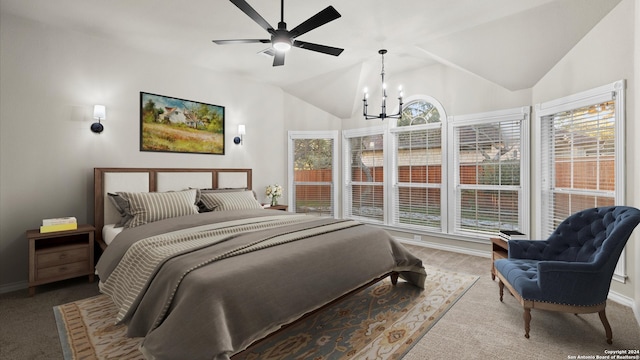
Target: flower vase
274,201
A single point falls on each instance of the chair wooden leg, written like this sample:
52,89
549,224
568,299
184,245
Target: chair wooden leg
607,327
527,321
501,286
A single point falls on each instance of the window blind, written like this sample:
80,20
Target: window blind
578,161
365,190
488,168
418,176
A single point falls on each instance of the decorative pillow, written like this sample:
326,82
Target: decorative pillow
230,200
122,206
149,207
204,208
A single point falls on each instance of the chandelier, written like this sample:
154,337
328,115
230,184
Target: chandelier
383,113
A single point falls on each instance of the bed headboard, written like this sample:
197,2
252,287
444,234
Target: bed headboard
106,180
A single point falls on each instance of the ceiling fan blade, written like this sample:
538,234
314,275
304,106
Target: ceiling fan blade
278,59
319,48
242,41
319,19
247,9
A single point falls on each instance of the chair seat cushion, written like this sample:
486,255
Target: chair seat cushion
522,274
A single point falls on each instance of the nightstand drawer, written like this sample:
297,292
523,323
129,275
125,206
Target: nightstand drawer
60,271
62,255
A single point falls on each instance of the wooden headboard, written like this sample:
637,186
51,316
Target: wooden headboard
106,180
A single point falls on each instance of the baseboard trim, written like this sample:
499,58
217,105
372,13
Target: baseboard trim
20,285
455,249
621,299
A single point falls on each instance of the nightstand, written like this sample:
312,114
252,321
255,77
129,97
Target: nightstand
278,207
60,255
499,250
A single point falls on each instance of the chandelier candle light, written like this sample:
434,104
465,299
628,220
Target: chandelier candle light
383,113
273,192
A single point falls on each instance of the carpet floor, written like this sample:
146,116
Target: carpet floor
479,326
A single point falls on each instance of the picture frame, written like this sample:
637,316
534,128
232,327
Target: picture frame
170,124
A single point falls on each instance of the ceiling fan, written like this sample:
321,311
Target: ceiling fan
282,39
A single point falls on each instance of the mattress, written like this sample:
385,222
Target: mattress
109,232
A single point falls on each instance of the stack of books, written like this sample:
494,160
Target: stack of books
512,235
59,224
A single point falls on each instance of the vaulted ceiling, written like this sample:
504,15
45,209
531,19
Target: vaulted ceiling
512,43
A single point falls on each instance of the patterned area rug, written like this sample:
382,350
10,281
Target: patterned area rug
380,322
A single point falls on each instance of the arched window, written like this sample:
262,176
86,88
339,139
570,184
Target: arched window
417,165
421,111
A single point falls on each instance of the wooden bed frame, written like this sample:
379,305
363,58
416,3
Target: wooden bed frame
107,180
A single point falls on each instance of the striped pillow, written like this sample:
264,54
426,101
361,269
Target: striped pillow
236,200
149,207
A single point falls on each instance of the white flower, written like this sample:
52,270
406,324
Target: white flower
273,191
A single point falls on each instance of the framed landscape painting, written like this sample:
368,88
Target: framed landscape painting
176,125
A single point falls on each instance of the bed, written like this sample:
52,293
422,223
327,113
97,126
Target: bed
200,270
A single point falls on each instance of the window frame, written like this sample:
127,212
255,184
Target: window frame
610,92
347,175
335,176
392,174
521,114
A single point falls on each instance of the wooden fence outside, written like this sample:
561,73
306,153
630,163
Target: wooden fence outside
598,175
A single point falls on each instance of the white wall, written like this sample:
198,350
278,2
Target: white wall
604,55
52,77
636,171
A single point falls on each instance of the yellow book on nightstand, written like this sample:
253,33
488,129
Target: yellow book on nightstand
58,227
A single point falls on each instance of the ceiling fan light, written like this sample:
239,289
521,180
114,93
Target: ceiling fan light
282,44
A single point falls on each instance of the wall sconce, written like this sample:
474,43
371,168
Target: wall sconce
241,131
100,113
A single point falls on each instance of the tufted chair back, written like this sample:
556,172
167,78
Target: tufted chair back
592,235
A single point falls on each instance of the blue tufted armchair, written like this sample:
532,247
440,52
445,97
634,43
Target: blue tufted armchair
571,271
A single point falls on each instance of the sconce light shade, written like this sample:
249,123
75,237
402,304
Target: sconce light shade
241,131
100,113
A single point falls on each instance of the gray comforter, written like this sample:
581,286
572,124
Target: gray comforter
206,286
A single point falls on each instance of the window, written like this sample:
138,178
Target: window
364,163
582,155
464,175
312,179
417,166
489,172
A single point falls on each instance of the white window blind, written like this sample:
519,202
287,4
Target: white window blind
578,161
364,169
312,174
418,176
490,155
